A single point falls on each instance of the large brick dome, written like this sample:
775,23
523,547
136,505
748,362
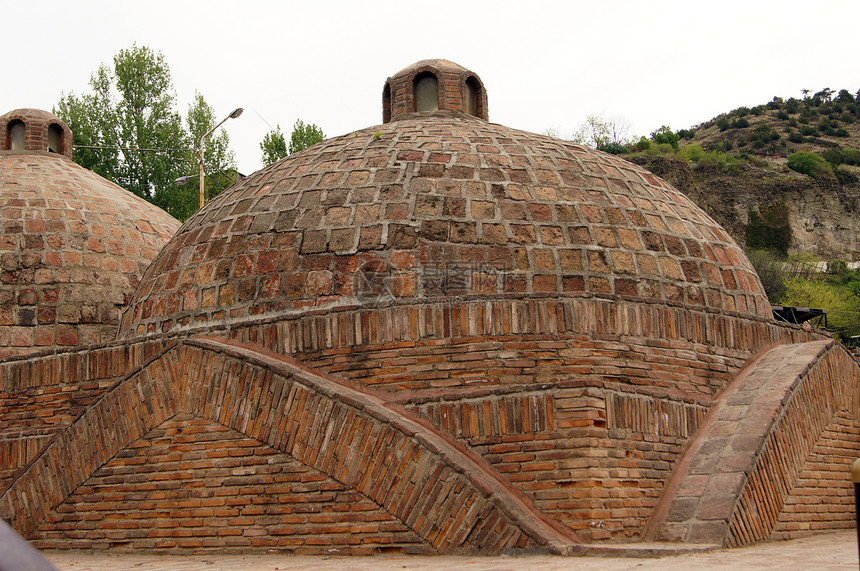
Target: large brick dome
73,245
434,205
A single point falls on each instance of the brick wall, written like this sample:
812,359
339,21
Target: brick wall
522,341
44,393
194,484
823,495
591,455
819,395
444,494
73,247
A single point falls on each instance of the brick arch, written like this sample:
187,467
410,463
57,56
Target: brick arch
737,475
447,495
481,103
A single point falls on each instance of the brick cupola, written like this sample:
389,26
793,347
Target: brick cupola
433,85
34,130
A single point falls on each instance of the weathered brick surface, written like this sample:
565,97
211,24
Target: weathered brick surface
43,394
191,483
823,496
591,455
398,97
502,340
450,498
750,461
36,125
523,341
429,209
73,246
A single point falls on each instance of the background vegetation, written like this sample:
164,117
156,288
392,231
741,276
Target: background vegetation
127,129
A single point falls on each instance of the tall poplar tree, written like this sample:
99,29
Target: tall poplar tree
127,129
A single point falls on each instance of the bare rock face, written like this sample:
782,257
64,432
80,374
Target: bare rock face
824,214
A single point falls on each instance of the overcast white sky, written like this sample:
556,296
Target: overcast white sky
544,64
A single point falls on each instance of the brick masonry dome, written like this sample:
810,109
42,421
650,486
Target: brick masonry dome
73,245
437,205
437,335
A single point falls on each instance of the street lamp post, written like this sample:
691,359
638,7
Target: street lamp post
236,112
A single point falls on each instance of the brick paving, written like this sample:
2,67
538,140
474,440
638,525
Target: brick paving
826,551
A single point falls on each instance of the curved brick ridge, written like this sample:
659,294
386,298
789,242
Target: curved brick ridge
822,495
449,496
43,393
738,474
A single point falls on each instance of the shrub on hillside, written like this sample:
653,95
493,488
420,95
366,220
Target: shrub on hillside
763,135
642,144
845,176
795,137
665,136
851,157
833,156
769,229
613,148
809,164
693,152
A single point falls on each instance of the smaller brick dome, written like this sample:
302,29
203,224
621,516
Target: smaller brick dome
73,245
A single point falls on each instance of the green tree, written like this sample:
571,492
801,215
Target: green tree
128,130
274,146
304,136
219,163
841,304
665,136
610,135
593,132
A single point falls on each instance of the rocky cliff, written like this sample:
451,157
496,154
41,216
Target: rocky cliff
825,216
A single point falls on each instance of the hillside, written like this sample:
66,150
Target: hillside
740,160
